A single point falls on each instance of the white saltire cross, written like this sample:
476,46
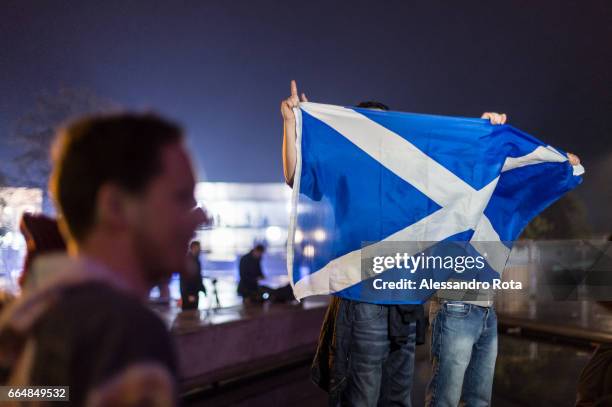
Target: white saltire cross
462,206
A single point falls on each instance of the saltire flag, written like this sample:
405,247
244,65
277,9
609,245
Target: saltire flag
366,177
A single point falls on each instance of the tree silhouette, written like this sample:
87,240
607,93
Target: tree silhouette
35,132
565,219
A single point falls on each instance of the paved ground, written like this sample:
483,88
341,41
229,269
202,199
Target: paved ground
528,373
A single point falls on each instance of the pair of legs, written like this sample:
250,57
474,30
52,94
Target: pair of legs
463,353
379,368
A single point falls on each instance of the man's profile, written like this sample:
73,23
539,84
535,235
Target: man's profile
83,322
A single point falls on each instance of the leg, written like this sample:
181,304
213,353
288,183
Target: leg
455,328
216,293
478,383
398,372
368,350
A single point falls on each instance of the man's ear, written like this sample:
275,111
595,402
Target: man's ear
112,207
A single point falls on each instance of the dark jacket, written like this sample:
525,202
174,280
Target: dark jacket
191,280
78,325
250,273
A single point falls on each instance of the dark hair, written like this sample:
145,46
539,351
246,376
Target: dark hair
370,104
259,248
194,243
124,149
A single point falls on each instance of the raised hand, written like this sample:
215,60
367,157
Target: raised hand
292,101
495,118
573,159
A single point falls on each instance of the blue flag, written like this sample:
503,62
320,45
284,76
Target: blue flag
367,177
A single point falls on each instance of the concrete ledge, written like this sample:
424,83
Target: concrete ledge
262,338
576,334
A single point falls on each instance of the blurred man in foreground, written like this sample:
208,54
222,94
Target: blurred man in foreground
123,186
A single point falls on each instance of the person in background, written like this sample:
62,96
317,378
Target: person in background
250,274
42,236
191,279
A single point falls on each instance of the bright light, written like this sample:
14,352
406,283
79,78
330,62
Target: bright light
320,235
304,271
299,236
18,242
8,239
309,250
273,234
221,239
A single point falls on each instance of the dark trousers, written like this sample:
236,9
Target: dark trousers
379,369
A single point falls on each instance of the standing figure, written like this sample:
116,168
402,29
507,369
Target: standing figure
250,274
191,278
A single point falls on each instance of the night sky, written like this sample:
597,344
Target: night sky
221,68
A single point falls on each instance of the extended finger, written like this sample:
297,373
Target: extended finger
294,91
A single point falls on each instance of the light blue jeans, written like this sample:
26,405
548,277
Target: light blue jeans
463,353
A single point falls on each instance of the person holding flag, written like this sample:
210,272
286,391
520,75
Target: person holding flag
366,347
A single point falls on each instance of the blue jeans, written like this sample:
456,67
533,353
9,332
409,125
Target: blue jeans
380,369
463,353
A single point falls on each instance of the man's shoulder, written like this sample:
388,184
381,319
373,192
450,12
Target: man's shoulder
97,293
99,306
99,316
94,332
